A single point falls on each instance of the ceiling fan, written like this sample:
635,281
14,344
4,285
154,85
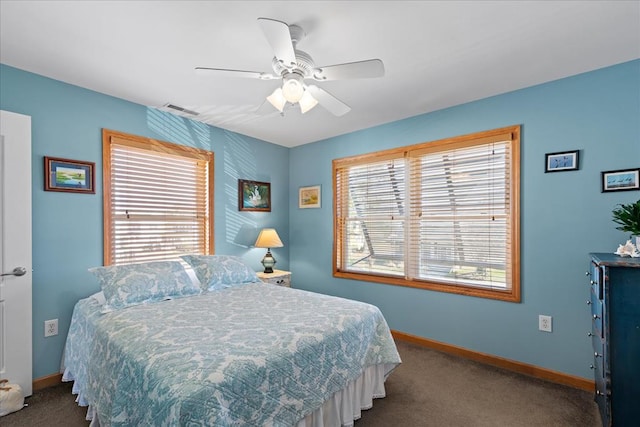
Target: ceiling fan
294,66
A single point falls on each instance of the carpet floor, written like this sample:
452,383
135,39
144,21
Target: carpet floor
430,388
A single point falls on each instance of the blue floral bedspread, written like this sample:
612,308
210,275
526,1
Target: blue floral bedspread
250,355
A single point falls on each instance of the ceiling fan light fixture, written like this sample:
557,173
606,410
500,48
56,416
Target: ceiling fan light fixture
307,102
277,99
293,67
292,88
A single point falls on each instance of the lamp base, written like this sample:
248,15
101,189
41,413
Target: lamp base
268,262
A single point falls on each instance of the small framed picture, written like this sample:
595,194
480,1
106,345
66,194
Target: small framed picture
621,180
254,196
309,197
561,162
69,175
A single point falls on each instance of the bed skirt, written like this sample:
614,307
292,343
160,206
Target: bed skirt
345,406
342,409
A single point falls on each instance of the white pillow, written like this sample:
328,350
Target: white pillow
99,297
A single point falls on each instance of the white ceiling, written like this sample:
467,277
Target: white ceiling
436,53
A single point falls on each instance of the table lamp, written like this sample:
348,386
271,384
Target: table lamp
268,238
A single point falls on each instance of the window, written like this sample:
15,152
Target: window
157,199
442,215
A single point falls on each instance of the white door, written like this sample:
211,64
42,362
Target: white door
15,250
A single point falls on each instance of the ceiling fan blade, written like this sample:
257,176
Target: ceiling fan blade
328,101
352,70
222,72
279,37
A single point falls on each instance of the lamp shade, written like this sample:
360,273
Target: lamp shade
277,99
307,102
268,238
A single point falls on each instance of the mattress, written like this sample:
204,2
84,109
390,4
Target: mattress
254,354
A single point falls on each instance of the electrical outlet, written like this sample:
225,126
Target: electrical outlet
50,327
544,323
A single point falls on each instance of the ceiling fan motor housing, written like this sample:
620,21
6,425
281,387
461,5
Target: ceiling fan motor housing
304,65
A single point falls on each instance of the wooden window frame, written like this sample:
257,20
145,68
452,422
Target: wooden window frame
513,293
157,146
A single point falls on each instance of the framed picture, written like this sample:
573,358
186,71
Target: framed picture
309,197
69,175
621,180
561,162
254,196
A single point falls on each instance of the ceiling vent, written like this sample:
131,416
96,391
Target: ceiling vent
177,108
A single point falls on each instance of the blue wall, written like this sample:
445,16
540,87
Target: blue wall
67,122
564,216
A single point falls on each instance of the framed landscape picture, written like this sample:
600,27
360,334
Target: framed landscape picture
73,176
621,180
561,162
254,196
309,197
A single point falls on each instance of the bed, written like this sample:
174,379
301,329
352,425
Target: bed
162,345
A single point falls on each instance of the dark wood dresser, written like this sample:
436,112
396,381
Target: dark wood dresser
615,335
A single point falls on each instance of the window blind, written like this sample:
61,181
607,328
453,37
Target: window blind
440,215
372,216
157,200
460,208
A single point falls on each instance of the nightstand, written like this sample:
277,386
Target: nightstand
278,277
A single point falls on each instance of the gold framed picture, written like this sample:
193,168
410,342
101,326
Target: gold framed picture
68,175
309,197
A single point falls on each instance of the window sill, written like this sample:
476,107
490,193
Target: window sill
508,296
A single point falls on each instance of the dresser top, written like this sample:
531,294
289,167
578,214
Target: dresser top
613,260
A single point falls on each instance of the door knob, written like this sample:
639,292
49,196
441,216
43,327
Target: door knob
18,271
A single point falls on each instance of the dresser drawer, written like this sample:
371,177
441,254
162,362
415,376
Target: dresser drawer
602,397
598,353
600,377
596,313
594,272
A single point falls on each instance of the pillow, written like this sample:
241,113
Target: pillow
220,271
134,284
99,298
